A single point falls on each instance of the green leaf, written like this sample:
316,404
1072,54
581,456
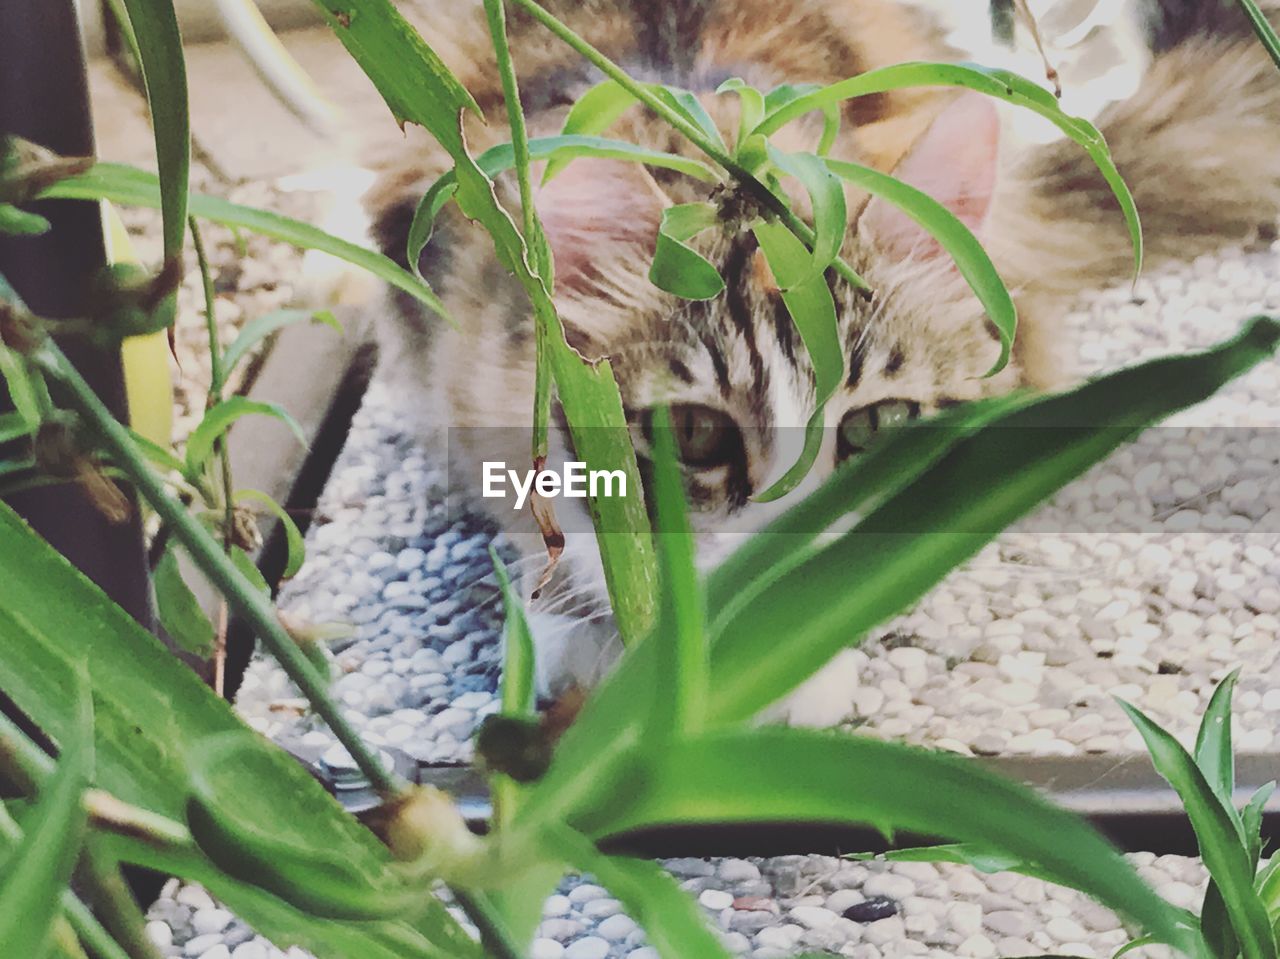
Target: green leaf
17,222
157,454
518,657
593,113
1251,820
13,426
954,237
672,922
259,328
997,83
131,187
679,705
802,776
159,45
151,715
35,874
1262,26
223,814
826,195
677,267
179,610
857,486
1217,836
964,854
220,419
808,299
751,110
690,107
249,570
909,542
295,545
1213,751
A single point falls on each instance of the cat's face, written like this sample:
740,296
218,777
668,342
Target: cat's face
733,371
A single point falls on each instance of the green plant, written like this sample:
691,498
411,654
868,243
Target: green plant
180,785
1240,916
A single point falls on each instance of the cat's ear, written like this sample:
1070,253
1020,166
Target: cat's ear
599,215
955,162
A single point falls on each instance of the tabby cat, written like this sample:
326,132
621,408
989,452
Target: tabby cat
1199,144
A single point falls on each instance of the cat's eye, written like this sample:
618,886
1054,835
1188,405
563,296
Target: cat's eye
859,427
705,437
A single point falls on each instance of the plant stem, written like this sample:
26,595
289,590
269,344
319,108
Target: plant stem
116,905
690,130
533,236
256,608
217,382
493,930
22,762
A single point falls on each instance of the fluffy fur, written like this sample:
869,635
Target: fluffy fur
1199,145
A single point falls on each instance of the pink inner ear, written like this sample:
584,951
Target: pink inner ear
955,163
595,210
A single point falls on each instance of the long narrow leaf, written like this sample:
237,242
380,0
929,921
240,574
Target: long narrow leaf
954,237
295,545
35,874
993,82
260,327
826,196
591,114
671,921
680,704
808,300
802,776
1219,841
906,545
131,187
159,43
1213,750
220,419
179,610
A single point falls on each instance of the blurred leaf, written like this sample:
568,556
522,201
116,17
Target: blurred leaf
677,267
249,570
909,542
963,854
679,705
179,610
225,768
157,454
151,714
20,380
17,222
159,45
1262,26
131,187
518,649
261,327
993,82
13,426
858,485
918,519
954,237
1217,836
804,776
830,216
296,549
218,420
35,874
808,299
673,923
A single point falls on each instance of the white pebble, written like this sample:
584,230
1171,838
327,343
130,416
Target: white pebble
592,947
715,899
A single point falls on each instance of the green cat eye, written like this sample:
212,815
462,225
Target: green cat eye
860,426
705,437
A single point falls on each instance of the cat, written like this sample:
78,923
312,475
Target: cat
1199,145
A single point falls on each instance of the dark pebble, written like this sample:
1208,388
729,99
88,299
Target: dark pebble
870,910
